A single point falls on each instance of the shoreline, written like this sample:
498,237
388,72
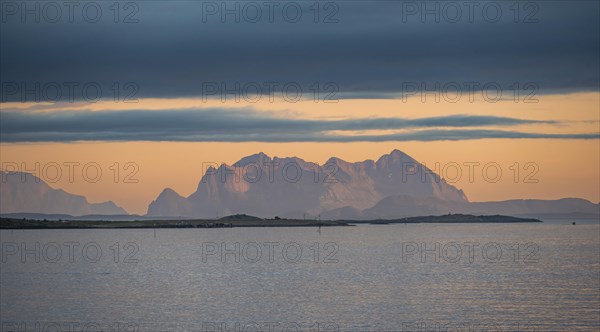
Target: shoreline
248,221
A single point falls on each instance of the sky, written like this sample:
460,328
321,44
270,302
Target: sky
154,89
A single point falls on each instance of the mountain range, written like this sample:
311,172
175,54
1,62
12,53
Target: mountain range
393,186
291,187
24,192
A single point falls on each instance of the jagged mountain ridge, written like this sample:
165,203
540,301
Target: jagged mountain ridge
25,192
291,187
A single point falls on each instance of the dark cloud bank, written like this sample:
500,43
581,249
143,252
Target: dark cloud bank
372,49
219,125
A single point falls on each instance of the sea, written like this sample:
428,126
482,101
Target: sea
398,277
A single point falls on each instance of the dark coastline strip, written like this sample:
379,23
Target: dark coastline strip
13,223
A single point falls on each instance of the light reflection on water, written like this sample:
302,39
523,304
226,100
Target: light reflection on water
353,278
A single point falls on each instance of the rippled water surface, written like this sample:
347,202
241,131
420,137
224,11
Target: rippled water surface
424,277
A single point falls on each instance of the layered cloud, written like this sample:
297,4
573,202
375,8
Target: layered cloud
246,125
172,48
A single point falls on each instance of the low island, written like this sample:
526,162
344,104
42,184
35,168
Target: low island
242,220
